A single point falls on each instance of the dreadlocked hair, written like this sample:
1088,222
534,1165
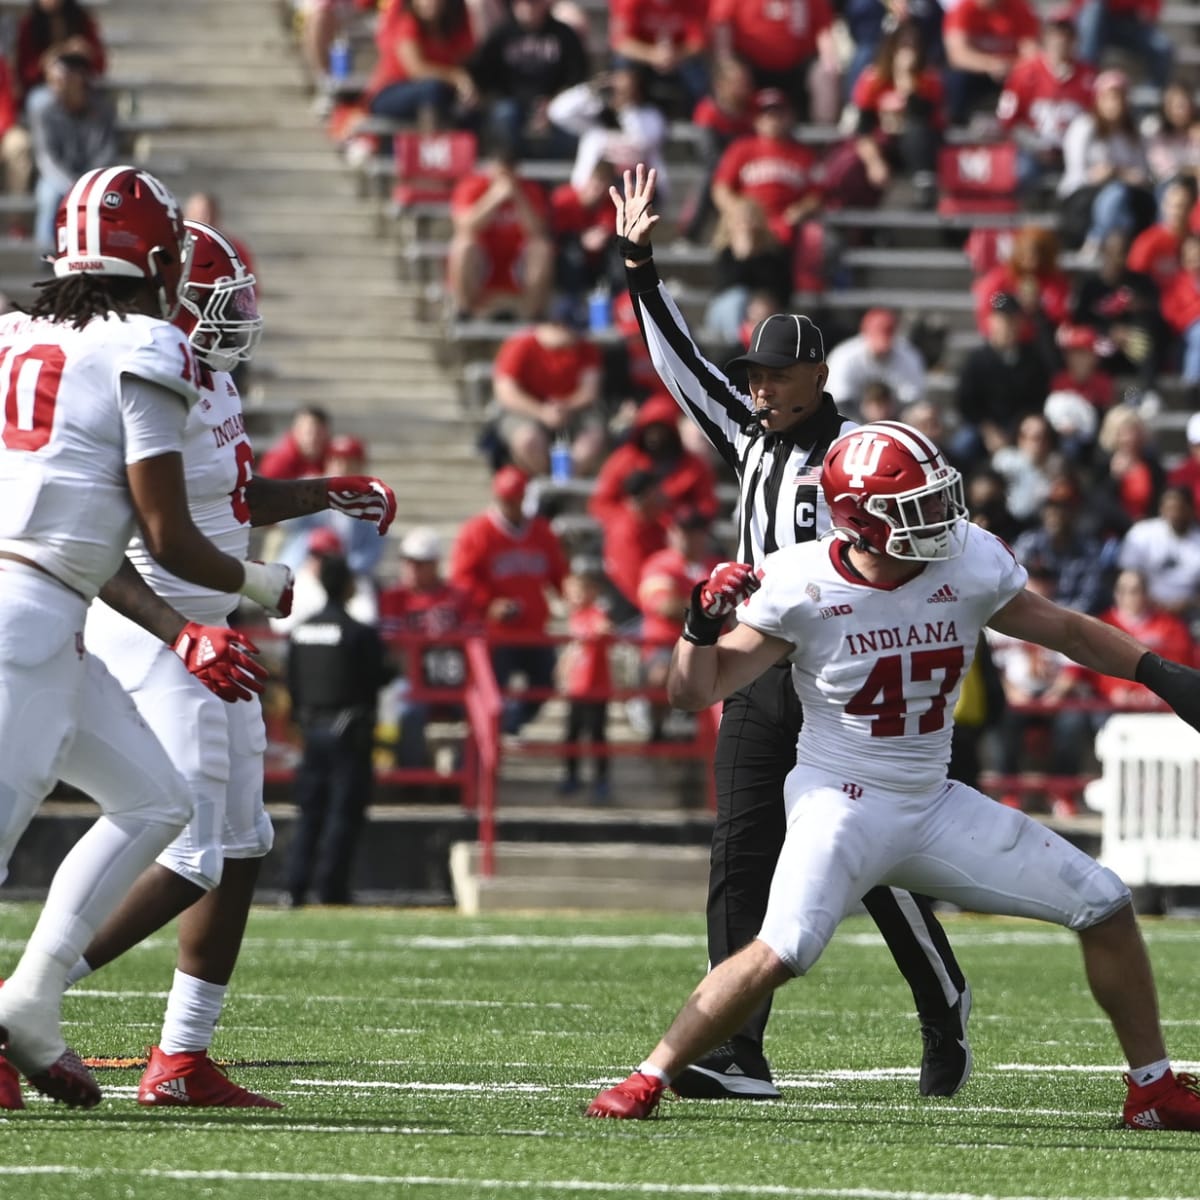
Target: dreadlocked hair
76,299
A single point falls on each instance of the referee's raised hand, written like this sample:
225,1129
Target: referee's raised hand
635,219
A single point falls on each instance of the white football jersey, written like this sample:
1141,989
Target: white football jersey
878,669
217,464
69,432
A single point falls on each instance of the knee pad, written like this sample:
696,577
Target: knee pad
798,945
248,832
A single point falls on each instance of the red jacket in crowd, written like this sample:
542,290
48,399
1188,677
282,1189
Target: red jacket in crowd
1163,633
493,560
284,460
684,479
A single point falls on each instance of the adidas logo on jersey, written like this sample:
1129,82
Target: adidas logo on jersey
944,595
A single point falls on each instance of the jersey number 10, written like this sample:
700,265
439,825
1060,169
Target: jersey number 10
32,392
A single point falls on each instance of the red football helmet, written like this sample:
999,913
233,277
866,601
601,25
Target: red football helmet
121,221
890,490
218,309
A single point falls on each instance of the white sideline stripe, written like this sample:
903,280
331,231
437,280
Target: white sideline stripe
377,1001
522,1185
417,1086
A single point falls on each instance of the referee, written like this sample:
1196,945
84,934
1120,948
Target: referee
774,440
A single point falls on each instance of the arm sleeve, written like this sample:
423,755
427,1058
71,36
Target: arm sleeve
701,390
152,418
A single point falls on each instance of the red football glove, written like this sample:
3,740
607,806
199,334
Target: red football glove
363,497
727,586
217,657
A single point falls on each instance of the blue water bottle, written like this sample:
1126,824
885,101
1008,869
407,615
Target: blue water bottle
340,59
560,461
599,310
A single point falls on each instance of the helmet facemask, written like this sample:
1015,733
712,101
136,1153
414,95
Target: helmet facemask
227,325
927,523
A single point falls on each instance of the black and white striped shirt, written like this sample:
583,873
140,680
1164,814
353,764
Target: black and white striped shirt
779,496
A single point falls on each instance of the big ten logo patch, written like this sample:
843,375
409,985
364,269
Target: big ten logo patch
836,610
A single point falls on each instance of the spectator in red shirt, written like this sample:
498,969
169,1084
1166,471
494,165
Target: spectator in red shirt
506,562
1155,251
787,45
1131,25
422,606
547,384
663,594
655,446
1042,95
585,677
771,168
501,252
665,40
1033,275
633,531
984,39
50,29
901,105
1187,473
421,67
1136,614
1081,371
1181,307
302,451
719,119
584,223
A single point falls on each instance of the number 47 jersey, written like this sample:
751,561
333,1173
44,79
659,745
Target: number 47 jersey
878,668
70,430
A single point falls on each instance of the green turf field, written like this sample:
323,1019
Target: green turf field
422,1054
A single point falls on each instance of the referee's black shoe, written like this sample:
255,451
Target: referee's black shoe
730,1072
946,1063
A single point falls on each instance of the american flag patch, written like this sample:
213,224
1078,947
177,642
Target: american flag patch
808,477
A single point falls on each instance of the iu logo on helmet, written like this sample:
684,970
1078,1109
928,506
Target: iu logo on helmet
862,458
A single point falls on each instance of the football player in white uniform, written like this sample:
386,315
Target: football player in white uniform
880,624
98,385
218,747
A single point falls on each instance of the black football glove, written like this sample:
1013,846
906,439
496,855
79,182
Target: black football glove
1178,685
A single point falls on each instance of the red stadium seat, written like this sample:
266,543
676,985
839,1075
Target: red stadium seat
977,179
987,248
428,165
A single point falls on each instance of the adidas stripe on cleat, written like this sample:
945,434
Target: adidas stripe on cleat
190,1079
1169,1103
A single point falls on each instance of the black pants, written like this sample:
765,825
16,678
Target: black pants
332,790
756,748
587,718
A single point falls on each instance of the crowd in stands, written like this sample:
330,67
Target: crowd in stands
1085,118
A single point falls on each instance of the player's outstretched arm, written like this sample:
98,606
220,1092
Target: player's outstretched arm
219,657
1100,647
361,496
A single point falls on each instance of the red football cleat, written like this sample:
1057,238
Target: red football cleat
10,1086
68,1080
192,1080
1172,1102
634,1100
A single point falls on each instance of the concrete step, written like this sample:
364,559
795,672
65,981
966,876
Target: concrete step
621,877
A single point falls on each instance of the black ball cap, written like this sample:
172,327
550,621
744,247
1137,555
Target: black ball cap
783,340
